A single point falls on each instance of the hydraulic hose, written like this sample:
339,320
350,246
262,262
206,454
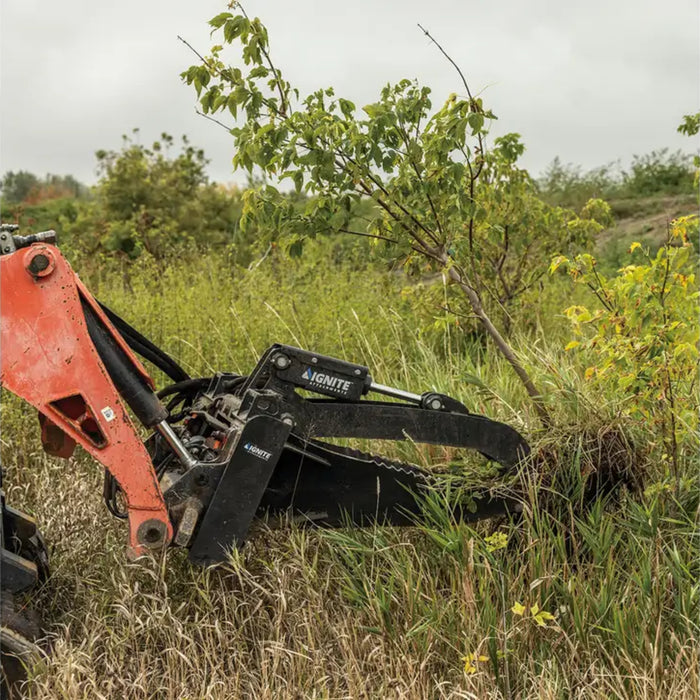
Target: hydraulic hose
130,384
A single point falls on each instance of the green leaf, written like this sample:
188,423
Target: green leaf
232,104
296,249
259,72
372,111
233,28
346,107
203,75
473,379
217,21
298,178
476,122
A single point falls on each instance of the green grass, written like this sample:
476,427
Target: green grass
378,613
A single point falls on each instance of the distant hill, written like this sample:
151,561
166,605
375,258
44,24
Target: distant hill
643,219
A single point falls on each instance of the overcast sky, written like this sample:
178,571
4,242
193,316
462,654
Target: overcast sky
589,81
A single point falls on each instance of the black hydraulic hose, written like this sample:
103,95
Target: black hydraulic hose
172,370
144,347
130,384
185,387
190,386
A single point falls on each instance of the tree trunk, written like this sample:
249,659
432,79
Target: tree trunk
501,343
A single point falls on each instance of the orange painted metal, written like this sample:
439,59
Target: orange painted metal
48,359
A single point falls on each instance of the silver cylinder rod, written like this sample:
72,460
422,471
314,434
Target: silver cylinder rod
170,436
396,393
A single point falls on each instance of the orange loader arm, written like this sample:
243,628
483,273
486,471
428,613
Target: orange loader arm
51,329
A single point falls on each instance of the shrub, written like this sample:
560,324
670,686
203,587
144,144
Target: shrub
641,336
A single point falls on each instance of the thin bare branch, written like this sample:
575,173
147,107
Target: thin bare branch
473,105
212,119
449,58
194,51
378,236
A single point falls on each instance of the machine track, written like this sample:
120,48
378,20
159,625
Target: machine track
20,629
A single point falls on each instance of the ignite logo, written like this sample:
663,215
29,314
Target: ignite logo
257,451
321,381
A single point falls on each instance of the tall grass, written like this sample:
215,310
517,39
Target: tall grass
441,610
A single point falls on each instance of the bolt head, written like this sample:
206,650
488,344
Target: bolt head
152,534
281,361
436,404
39,263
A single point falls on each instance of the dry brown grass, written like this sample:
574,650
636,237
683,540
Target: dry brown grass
280,621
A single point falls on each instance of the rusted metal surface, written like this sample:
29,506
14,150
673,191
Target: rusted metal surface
48,359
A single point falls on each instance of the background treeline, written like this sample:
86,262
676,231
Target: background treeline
655,174
159,200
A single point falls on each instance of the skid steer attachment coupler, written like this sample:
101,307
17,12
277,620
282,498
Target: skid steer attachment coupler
256,451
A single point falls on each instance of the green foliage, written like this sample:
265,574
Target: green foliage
46,215
412,605
642,337
558,603
17,186
439,193
659,173
597,210
148,200
568,185
442,199
690,125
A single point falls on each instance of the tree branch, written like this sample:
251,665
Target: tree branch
212,119
447,56
195,52
472,103
406,140
501,343
378,236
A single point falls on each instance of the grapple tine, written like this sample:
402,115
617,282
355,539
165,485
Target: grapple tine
334,486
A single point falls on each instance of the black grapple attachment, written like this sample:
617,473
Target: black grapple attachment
259,454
